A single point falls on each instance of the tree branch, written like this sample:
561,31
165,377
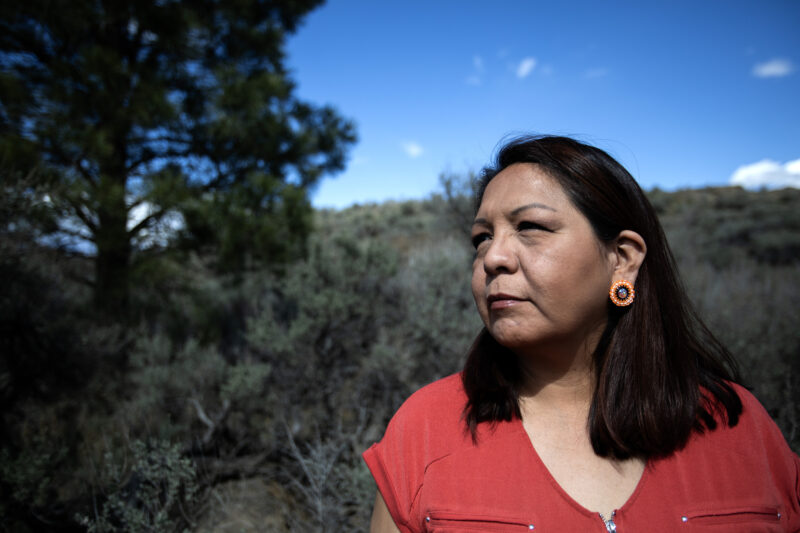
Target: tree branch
78,209
161,155
74,233
205,419
145,221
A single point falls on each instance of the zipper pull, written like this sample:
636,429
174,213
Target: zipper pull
610,525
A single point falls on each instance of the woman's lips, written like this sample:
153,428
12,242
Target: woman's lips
502,301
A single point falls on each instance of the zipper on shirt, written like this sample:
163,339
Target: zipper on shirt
610,525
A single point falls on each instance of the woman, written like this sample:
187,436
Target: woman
594,399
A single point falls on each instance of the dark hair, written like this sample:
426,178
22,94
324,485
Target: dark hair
661,374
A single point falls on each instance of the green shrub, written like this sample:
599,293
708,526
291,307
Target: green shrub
152,494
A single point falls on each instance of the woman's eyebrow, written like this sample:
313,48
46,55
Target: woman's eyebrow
515,212
536,205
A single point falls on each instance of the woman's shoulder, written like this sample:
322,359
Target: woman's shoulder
753,412
443,394
757,424
438,405
426,428
755,435
429,425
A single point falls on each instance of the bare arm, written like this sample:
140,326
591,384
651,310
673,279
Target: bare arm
381,519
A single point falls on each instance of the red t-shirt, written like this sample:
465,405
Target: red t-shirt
433,478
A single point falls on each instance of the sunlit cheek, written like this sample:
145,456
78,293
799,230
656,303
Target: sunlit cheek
478,293
478,275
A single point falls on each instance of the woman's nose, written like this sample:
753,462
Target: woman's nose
500,256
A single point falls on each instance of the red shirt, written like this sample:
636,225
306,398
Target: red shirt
434,478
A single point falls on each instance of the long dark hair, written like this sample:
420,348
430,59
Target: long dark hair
660,372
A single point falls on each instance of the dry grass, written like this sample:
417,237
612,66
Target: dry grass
244,506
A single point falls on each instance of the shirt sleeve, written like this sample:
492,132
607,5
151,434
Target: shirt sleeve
397,467
782,463
426,428
797,480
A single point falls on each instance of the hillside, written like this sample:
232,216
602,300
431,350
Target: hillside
248,398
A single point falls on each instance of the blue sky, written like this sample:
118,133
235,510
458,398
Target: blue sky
684,94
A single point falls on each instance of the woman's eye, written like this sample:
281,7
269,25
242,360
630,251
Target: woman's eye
530,225
479,238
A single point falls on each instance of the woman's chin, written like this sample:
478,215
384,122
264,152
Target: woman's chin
512,339
525,343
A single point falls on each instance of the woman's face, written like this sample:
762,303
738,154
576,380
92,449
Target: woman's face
540,277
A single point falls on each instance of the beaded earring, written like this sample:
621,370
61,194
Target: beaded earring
622,293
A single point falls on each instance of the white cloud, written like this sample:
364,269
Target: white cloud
413,149
774,68
768,174
478,68
525,67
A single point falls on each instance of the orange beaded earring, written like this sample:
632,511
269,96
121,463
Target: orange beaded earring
622,293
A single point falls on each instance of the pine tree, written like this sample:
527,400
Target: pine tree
163,115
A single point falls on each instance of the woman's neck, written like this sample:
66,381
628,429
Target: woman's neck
560,374
564,386
569,397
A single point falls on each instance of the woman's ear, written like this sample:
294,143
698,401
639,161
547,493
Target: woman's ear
629,250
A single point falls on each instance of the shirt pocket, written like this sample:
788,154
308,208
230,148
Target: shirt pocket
744,518
450,521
